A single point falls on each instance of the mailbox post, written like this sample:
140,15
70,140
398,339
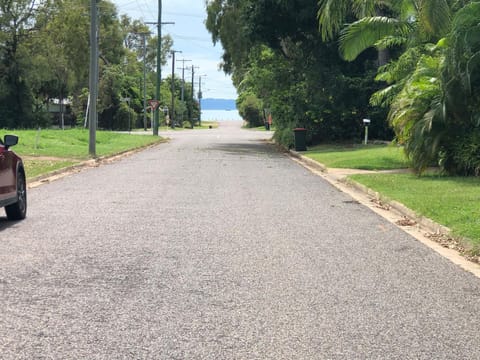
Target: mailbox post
366,122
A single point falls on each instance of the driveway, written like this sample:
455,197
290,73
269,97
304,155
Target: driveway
217,246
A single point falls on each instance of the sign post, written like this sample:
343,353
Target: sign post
153,107
366,122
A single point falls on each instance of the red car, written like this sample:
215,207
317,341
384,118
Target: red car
13,186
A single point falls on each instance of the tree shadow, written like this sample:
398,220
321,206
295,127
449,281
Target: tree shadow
253,149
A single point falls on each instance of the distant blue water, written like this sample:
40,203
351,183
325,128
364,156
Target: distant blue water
218,104
220,115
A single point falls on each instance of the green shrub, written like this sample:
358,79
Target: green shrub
250,108
463,157
124,118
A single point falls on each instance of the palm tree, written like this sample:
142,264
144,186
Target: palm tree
436,95
461,100
415,89
382,24
333,14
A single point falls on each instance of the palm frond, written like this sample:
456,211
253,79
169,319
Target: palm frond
364,8
435,16
427,136
366,32
331,16
406,9
401,69
390,41
384,97
466,17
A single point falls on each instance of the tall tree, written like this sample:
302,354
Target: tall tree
16,24
274,51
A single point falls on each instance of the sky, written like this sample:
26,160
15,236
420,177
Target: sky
189,36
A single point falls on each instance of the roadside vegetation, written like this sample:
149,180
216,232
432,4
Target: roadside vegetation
450,201
45,68
44,151
410,66
370,157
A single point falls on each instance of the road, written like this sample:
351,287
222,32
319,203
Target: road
217,246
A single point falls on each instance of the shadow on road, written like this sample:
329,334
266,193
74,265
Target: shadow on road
249,149
5,223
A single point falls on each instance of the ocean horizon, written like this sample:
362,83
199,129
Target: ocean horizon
221,115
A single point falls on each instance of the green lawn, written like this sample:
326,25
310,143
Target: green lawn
259,128
366,157
73,143
37,167
47,150
450,201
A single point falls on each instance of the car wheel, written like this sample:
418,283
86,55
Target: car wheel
18,210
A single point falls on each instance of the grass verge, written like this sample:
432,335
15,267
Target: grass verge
38,167
450,201
48,150
365,157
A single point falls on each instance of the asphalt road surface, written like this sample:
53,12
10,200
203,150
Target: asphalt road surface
217,246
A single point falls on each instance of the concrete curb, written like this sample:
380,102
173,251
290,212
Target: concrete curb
421,228
422,221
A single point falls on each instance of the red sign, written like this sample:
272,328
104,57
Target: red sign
154,104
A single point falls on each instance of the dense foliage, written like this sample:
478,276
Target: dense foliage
411,66
276,55
44,64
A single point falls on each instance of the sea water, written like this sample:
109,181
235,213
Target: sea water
220,115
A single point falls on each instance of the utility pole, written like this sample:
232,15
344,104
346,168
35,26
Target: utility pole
144,37
200,99
159,24
193,92
172,115
156,120
93,78
182,96
183,77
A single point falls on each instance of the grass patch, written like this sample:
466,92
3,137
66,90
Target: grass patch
259,128
73,143
450,201
45,151
34,167
365,157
